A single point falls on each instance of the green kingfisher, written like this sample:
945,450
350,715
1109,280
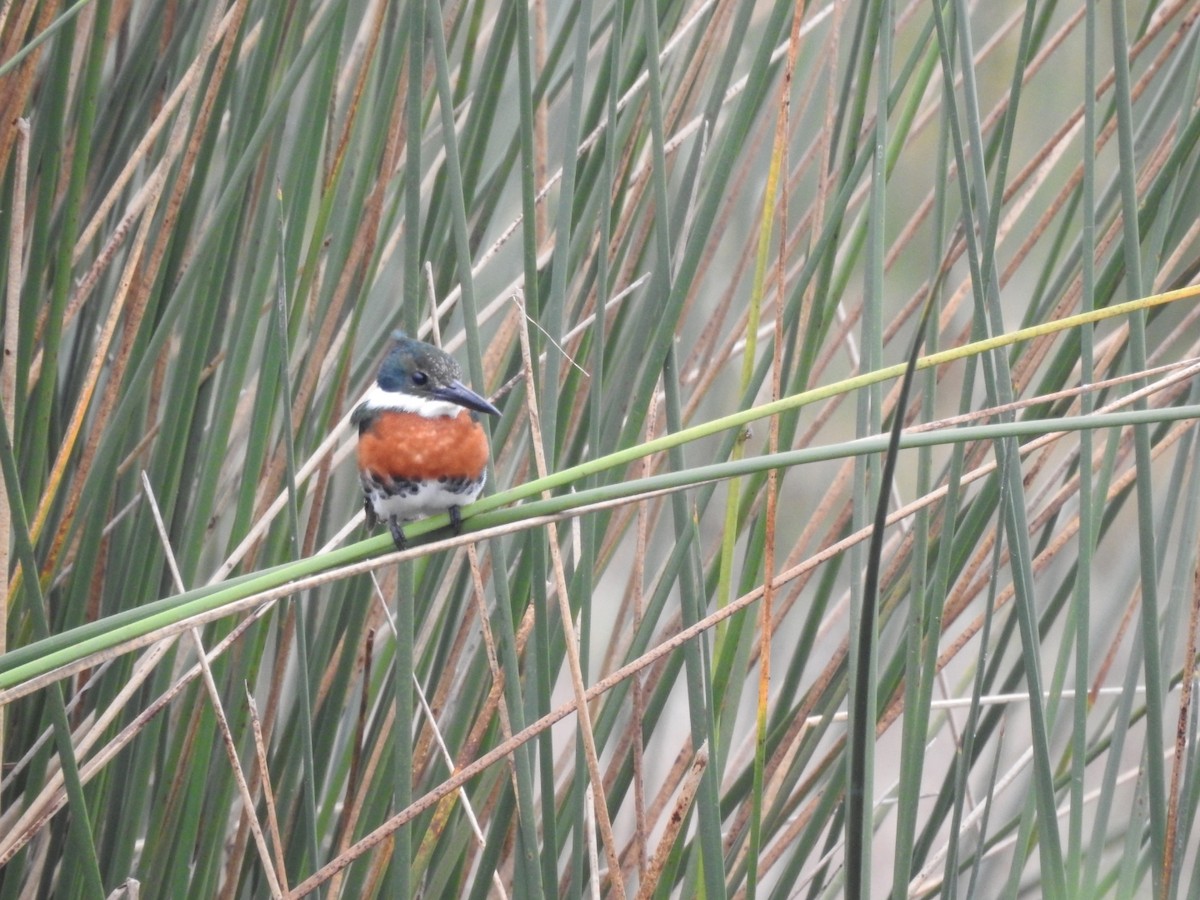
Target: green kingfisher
421,449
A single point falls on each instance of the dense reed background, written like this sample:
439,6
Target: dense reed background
629,221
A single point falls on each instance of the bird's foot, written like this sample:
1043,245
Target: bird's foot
397,533
369,516
455,520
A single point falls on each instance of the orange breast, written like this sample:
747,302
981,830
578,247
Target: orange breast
401,444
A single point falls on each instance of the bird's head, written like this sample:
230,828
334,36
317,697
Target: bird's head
427,374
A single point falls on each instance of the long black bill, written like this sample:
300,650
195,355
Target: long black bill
459,393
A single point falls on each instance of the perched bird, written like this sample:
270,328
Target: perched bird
421,449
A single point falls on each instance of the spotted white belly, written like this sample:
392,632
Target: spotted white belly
408,500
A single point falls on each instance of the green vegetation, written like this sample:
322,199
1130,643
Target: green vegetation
685,248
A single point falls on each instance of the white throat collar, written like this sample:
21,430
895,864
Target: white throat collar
378,398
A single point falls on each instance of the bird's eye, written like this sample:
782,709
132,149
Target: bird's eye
420,379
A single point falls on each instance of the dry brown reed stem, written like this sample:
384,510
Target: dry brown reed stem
780,155
660,801
345,828
641,829
15,87
1182,729
571,638
675,822
263,773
